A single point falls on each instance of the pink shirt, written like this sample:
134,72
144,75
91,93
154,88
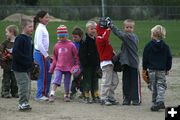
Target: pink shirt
65,56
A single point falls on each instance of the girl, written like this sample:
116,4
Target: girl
65,56
41,56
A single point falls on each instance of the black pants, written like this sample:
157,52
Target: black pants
9,84
131,84
90,81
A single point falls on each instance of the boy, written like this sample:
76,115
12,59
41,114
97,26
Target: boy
77,36
89,59
22,63
110,78
9,84
157,61
130,62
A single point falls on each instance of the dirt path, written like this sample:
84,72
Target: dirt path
60,110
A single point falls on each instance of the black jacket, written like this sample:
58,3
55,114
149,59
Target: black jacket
22,53
88,54
157,56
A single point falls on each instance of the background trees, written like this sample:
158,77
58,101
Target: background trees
91,2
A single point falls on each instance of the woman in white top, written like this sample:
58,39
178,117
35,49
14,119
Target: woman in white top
41,56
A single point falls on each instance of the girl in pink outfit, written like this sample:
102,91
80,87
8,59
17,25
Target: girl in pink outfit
65,56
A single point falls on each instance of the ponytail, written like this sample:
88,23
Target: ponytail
40,14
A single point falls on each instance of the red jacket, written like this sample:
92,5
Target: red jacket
104,47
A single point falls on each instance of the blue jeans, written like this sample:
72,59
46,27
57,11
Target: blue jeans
44,81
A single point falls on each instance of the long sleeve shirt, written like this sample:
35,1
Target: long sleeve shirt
65,56
104,47
22,53
41,39
157,56
129,48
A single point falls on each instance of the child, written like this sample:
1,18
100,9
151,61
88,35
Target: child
130,62
89,60
157,61
22,63
77,36
110,78
41,56
65,56
9,84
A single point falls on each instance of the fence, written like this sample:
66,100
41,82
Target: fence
88,12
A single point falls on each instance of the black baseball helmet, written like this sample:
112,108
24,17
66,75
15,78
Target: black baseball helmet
103,22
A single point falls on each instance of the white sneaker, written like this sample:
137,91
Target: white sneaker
24,107
43,98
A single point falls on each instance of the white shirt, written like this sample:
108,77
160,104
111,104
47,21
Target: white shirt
41,39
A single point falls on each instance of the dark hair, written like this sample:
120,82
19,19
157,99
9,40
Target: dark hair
40,14
77,31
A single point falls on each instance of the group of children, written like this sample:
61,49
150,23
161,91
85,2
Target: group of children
82,58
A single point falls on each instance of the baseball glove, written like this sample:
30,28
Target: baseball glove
34,74
99,72
145,76
117,64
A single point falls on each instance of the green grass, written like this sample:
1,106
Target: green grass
142,29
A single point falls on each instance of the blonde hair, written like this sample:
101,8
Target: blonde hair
91,23
25,22
158,31
129,21
13,29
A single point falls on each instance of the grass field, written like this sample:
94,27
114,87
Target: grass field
142,29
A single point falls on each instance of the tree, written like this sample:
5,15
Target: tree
31,2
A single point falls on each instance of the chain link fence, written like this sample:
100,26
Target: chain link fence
88,12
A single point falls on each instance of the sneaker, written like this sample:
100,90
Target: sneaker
114,102
15,96
158,106
96,100
24,107
106,102
66,99
43,98
72,96
126,102
6,96
136,103
87,100
81,96
51,98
